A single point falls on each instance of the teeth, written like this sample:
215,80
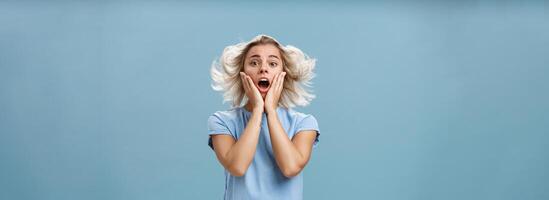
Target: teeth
263,79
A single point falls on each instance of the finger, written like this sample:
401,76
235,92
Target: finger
281,80
277,80
252,85
249,81
244,82
274,85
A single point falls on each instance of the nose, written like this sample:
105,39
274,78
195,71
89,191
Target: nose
263,69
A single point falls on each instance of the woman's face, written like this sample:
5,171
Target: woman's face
262,63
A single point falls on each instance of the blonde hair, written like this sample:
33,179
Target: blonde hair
297,65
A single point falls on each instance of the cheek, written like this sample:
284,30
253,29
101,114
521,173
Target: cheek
248,69
279,70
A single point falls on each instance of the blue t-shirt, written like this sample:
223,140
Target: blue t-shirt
263,179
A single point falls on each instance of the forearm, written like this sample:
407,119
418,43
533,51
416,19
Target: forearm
241,154
289,159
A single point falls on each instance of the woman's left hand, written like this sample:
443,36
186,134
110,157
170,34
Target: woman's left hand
273,96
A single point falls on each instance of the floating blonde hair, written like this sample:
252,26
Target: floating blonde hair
297,65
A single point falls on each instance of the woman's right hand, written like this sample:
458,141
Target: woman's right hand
255,98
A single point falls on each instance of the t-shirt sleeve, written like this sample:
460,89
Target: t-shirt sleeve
307,124
216,126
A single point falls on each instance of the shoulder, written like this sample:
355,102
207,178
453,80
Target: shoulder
297,116
226,115
300,121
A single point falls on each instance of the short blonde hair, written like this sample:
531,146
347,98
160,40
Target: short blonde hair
297,65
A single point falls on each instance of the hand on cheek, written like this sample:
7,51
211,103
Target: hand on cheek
252,92
273,96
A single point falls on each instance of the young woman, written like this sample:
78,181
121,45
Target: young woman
263,143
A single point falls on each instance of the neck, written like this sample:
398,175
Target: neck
249,107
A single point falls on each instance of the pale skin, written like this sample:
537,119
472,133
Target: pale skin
291,155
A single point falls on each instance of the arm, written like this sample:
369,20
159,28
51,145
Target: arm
291,155
236,156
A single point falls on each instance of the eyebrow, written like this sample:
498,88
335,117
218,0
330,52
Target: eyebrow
274,56
257,56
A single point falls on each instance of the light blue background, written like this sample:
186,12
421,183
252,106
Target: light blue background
427,100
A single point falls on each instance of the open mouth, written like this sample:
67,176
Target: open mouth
263,84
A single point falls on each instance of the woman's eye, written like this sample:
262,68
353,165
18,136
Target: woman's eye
273,64
253,63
